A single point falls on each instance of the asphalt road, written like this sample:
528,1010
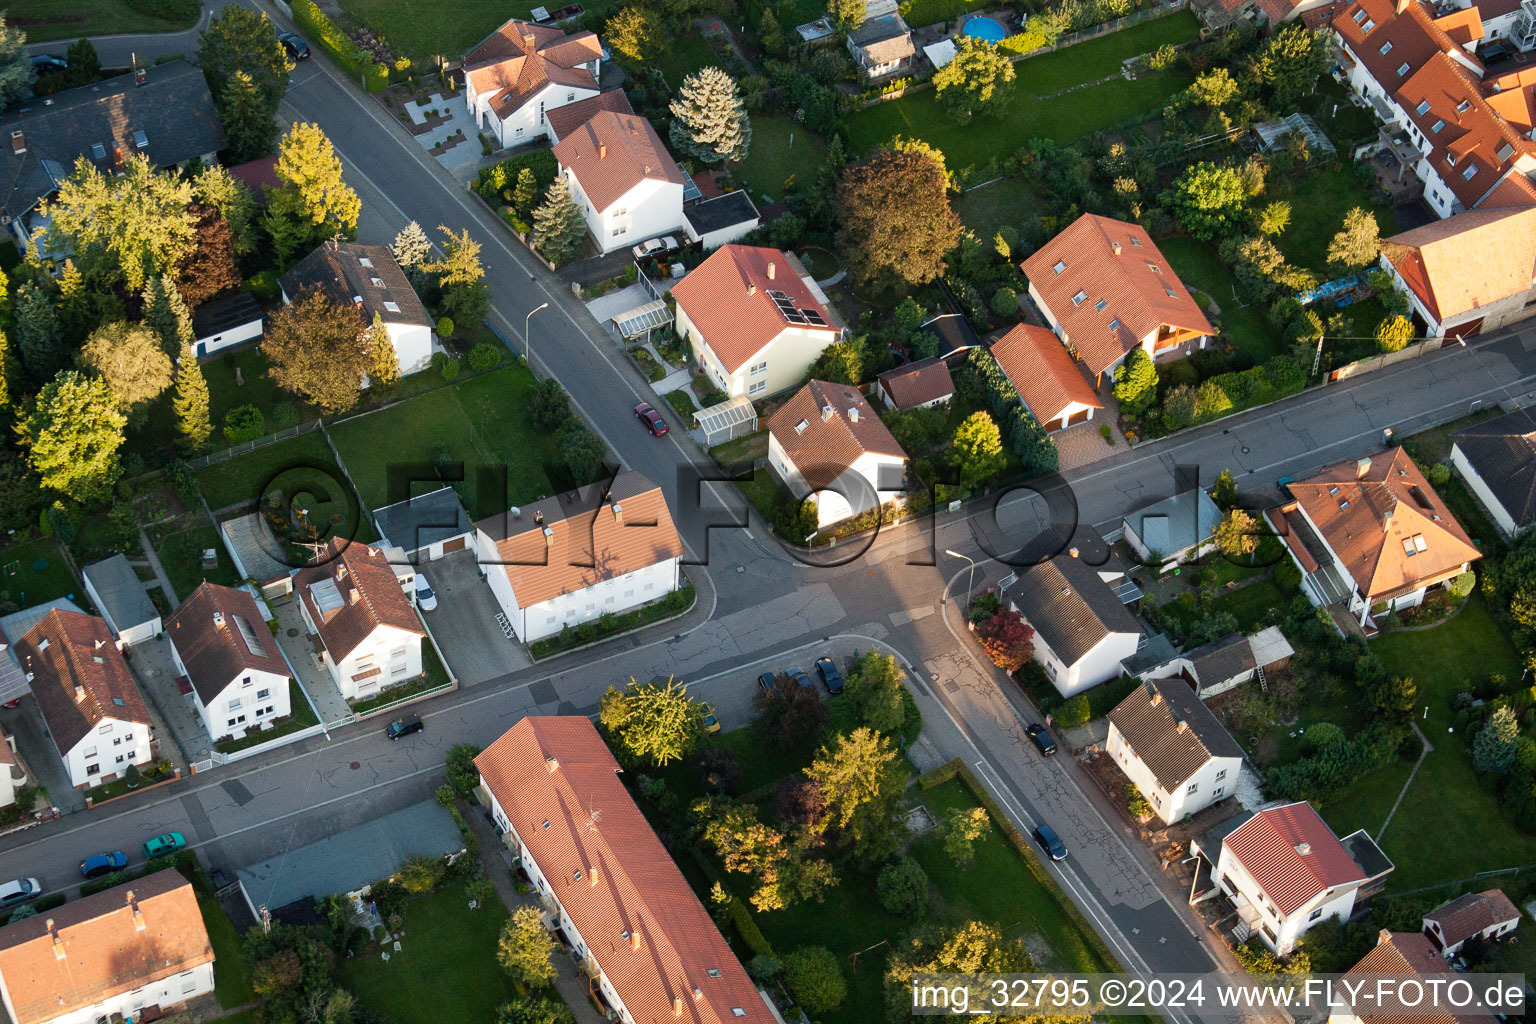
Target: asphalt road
760,602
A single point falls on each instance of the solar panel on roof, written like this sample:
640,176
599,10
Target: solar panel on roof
814,317
787,307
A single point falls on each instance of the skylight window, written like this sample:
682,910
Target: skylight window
1079,298
1463,106
1434,129
1154,268
1422,108
248,635
365,261
1470,172
1386,47
800,427
141,140
1171,293
1359,15
1402,69
1059,267
1136,242
98,151
393,307
1114,324
1099,307
377,282
1369,24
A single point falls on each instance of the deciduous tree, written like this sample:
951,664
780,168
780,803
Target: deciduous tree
655,723
1237,534
190,402
548,404
708,121
16,71
847,14
525,949
858,776
122,228
581,449
783,868
962,827
875,686
1274,218
970,948
902,888
895,223
314,202
216,187
558,229
815,976
1289,63
1208,200
210,268
789,716
1358,242
72,434
1394,333
132,360
634,35
535,1009
975,80
319,350
1007,640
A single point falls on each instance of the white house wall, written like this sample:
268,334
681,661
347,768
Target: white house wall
1232,876
528,122
166,993
258,696
615,595
1485,497
394,652
112,745
413,345
135,633
650,208
1099,665
1215,780
781,364
235,335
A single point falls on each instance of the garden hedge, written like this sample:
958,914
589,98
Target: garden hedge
319,28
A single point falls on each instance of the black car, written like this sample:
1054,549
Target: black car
403,726
800,678
831,678
1050,842
767,680
297,48
48,61
1042,739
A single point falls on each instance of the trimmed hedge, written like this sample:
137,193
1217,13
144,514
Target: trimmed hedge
741,914
493,179
322,31
1028,439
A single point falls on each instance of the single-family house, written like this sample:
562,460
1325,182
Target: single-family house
1083,630
1173,531
519,72
1487,916
87,697
827,442
918,385
565,120
135,951
1228,661
647,946
368,278
12,775
163,113
1173,748
1048,381
224,649
225,322
601,549
1404,957
1107,290
426,527
754,319
725,218
118,593
1497,459
881,44
366,632
625,183
1284,871
1371,534
1470,272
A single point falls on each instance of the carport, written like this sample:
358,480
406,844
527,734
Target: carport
427,527
730,419
640,324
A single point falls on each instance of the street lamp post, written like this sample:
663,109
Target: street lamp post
970,579
527,342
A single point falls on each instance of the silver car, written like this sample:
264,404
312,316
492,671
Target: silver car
20,890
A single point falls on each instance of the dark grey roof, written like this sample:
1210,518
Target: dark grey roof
1069,605
884,38
1176,524
721,212
172,109
219,315
1364,851
1154,654
1222,659
954,331
123,601
337,269
1503,452
1211,839
423,520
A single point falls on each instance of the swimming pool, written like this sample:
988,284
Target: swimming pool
983,27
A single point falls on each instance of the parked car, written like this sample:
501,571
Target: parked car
426,599
800,678
655,247
297,48
48,61
651,418
711,720
162,845
103,864
1042,739
404,726
767,680
831,678
1050,842
20,890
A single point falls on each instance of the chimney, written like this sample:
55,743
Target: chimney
1114,247
592,874
218,619
1157,699
751,290
1072,551
100,644
602,150
140,75
634,939
771,268
827,413
1402,5
18,142
618,513
528,42
79,694
58,943
1383,936
677,1006
549,537
1304,848
1362,467
853,415
1183,726
698,995
138,916
552,763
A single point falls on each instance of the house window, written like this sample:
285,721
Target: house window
1157,799
1170,292
570,97
620,213
141,140
1369,24
1315,914
737,1011
1059,267
1099,306
1359,15
393,307
1386,47
106,728
93,769
364,261
621,231
1218,791
234,703
1136,242
1469,172
188,983
89,752
1079,298
117,741
376,282
758,388
1221,775
1422,108
1193,786
1435,128
263,694
1114,324
119,758
1402,69
1154,268
1463,106
760,368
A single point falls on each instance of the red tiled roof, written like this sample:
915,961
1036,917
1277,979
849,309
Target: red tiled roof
370,597
1045,376
1293,855
839,426
566,119
79,676
648,932
1468,260
726,297
506,67
257,174
612,153
1471,913
209,637
1408,953
915,384
1115,264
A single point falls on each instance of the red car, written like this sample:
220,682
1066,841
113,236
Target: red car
651,418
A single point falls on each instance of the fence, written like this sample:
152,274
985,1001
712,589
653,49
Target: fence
219,757
246,447
450,685
1423,347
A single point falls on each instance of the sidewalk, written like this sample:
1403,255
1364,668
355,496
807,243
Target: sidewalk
496,862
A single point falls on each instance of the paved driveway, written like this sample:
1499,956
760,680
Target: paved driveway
156,673
316,681
464,622
25,724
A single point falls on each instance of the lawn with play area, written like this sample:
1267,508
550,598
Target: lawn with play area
1241,320
782,151
35,572
1037,107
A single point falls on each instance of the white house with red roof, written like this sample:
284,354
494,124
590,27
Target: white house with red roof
237,674
647,947
827,441
366,631
755,319
1107,290
1284,871
1468,273
622,178
518,73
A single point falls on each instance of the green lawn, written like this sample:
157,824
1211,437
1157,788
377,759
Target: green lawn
1034,111
990,207
782,151
446,970
1319,200
1201,270
1257,605
181,556
929,12
480,423
229,979
254,388
424,29
65,19
244,478
26,585
682,56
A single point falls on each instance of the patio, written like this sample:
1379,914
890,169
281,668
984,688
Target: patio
1391,159
443,126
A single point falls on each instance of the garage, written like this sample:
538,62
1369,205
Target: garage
426,527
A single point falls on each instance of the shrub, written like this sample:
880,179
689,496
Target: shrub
285,415
319,29
492,180
1135,804
814,975
263,284
450,368
1073,713
1462,585
902,888
484,356
462,773
445,327
243,423
1005,302
1439,474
